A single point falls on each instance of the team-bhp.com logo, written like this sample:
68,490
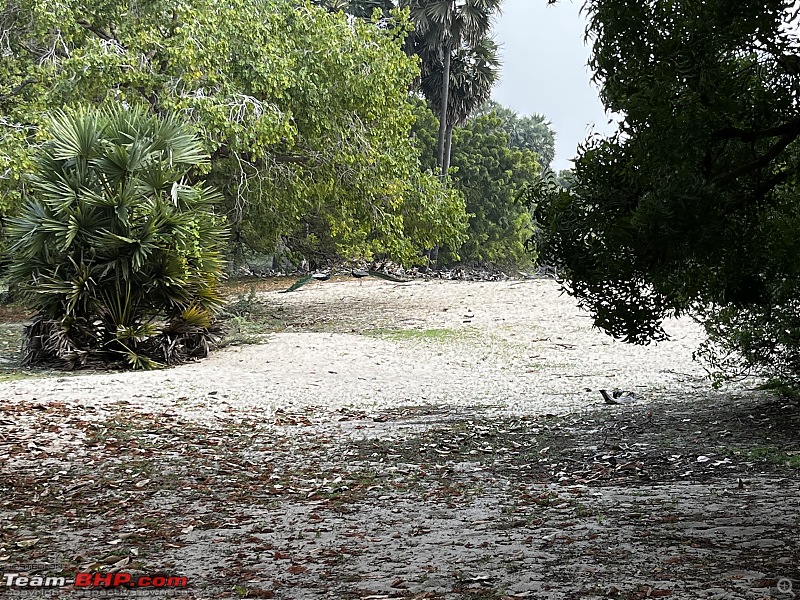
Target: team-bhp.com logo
95,580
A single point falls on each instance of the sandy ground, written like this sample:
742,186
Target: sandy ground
517,346
423,440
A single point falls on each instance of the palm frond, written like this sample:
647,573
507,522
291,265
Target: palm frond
113,239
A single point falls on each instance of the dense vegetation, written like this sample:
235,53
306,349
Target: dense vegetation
692,207
119,257
492,174
305,114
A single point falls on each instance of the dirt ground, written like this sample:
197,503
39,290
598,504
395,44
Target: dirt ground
427,440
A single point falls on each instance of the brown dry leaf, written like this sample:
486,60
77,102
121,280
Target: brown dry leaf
398,583
296,569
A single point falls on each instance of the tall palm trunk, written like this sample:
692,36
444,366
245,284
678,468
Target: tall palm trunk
448,142
443,110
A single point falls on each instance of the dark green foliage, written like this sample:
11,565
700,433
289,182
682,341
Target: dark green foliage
692,206
526,132
118,255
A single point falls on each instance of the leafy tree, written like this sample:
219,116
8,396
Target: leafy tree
532,132
492,176
119,257
693,205
304,113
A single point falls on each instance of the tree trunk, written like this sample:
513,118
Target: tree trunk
443,109
434,258
447,145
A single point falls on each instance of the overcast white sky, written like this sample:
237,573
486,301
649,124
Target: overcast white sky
544,71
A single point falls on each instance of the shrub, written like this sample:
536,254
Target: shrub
116,249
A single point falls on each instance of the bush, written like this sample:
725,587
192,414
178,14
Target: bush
751,341
119,254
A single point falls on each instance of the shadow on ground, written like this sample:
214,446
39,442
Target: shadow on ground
671,498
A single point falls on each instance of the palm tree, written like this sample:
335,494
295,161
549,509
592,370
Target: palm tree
473,72
117,254
444,27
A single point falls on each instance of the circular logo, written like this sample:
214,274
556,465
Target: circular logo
785,586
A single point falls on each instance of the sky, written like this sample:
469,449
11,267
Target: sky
545,71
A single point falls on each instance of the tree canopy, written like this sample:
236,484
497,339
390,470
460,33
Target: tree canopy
305,113
492,176
526,132
692,206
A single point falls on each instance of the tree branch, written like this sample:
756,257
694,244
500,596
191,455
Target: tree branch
734,133
773,182
760,162
19,87
96,30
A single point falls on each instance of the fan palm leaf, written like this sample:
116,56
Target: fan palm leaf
113,235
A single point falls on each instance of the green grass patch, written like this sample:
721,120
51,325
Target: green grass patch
426,335
775,456
14,375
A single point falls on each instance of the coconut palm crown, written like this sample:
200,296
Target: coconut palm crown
117,252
